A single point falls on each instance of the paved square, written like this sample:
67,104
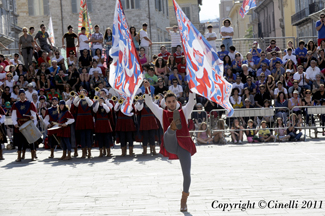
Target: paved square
152,185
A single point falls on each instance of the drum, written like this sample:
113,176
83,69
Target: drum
30,132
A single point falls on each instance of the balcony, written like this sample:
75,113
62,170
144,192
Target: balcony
310,12
300,16
315,9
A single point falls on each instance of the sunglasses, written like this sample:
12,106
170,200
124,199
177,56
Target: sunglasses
199,107
272,43
321,17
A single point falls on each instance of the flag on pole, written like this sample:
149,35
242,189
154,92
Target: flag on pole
51,32
246,6
204,69
125,70
84,19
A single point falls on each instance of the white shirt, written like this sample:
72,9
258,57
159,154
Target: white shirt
232,55
29,95
83,45
58,59
312,72
99,63
92,70
10,84
212,35
13,96
284,90
228,29
302,82
287,57
175,38
97,46
144,42
240,86
177,90
12,61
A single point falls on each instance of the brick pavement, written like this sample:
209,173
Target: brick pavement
152,185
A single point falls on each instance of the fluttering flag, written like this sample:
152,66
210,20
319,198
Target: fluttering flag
246,6
84,19
204,69
51,32
125,70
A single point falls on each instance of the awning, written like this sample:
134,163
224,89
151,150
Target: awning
315,16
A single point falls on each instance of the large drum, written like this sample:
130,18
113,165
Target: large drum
30,132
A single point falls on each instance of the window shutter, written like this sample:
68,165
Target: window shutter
74,6
187,12
157,4
123,3
46,7
137,4
31,7
90,6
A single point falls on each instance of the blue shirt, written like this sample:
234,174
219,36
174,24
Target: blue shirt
152,89
301,53
275,61
171,77
253,86
222,54
321,32
254,53
266,61
51,69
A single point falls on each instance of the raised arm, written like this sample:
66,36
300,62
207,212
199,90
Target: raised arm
156,110
188,108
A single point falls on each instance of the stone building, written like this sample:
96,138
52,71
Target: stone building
101,12
224,9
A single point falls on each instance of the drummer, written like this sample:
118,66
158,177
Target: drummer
23,111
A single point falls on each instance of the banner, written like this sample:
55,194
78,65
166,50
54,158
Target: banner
125,70
51,31
84,19
246,6
204,69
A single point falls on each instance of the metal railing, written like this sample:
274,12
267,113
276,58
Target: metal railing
196,127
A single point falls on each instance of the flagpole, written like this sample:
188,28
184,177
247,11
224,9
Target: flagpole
62,18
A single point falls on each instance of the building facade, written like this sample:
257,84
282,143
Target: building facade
239,24
101,12
190,7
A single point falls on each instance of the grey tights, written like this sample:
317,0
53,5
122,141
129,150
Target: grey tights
171,145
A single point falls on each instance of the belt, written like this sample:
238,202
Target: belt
124,118
102,119
84,114
147,115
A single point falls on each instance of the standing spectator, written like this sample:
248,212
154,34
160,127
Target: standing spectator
85,61
272,47
26,47
60,80
261,97
302,77
227,32
108,37
211,37
177,89
289,56
223,52
308,101
320,27
83,41
301,52
142,56
44,41
97,41
145,41
59,59
135,37
164,54
281,104
175,38
178,54
70,36
255,51
37,49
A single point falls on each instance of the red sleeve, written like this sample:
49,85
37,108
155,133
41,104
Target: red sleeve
69,115
159,54
179,67
147,91
13,107
46,113
32,107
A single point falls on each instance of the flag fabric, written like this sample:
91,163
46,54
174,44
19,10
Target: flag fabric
51,32
204,69
125,70
246,6
84,19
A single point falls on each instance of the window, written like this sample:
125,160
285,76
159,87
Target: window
158,5
167,9
163,6
38,7
75,5
187,12
228,8
130,4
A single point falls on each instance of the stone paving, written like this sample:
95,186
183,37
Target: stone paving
152,185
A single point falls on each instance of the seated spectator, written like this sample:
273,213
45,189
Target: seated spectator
175,75
267,105
161,69
263,59
311,46
278,71
52,94
265,134
178,54
249,61
209,106
308,60
247,105
251,133
142,56
237,132
289,56
232,53
9,82
176,89
100,58
308,101
295,134
293,102
219,136
237,63
164,54
263,70
288,77
85,61
161,88
235,99
171,63
43,83
255,51
223,52
321,59
293,88
274,60
54,70
230,75
182,68
14,94
95,68
280,88
238,84
247,95
245,73
302,77
6,95
250,85
290,45
22,83
66,92
261,96
15,61
281,131
3,61
20,70
30,91
227,63
301,52
59,59
72,59
84,79
204,137
270,84
320,94
151,77
290,66
317,83
95,81
198,116
260,81
44,59
281,104
272,47
73,77
312,71
44,70
60,80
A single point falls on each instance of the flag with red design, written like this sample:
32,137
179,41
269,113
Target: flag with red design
246,6
204,70
84,18
125,70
